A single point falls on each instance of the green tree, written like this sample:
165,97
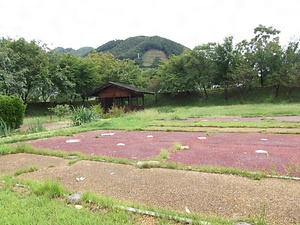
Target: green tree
32,60
11,76
86,77
201,67
288,68
62,73
173,75
227,58
260,51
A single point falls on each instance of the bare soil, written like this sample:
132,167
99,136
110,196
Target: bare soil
207,194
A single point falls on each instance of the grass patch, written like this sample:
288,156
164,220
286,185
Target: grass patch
50,189
165,153
45,203
143,119
28,170
228,124
36,127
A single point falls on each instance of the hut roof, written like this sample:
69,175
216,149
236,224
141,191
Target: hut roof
121,86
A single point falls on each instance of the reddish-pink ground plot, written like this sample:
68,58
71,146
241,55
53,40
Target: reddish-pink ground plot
253,151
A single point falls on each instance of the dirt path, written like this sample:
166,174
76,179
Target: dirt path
207,194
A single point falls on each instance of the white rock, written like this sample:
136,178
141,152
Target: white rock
185,147
149,136
107,134
120,144
74,198
187,210
80,178
201,138
72,141
78,207
263,139
260,151
142,163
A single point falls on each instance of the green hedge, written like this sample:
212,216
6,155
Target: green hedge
12,111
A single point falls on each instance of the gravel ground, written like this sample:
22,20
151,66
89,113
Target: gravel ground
208,194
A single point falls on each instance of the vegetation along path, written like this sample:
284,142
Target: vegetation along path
208,194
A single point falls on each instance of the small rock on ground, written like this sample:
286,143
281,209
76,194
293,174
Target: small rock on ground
74,198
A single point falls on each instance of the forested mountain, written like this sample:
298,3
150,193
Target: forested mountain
135,47
63,50
84,51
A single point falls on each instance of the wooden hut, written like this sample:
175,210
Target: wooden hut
120,95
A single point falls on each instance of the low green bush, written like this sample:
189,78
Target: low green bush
82,115
60,110
12,111
98,110
115,112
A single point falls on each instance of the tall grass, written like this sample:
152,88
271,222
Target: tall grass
4,128
49,188
82,115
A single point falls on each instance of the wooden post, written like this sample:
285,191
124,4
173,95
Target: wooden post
130,102
143,102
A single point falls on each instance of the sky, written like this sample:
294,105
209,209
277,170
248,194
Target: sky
80,23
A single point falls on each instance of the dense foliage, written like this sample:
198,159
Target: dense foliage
34,73
258,62
12,111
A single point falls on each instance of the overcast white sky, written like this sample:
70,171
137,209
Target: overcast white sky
79,23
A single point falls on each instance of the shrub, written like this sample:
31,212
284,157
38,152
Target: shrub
115,112
98,110
60,110
12,111
37,127
82,115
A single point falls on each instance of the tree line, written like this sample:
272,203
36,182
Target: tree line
34,73
262,61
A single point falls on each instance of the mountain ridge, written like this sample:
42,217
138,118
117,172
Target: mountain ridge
132,48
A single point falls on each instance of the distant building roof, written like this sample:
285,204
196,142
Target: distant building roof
121,86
